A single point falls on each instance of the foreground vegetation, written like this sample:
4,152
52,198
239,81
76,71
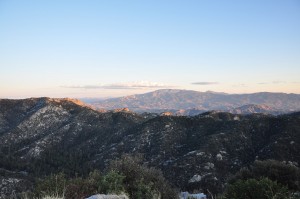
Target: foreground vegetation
264,180
125,176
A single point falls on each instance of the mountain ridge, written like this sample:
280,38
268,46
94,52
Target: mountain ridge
43,138
176,100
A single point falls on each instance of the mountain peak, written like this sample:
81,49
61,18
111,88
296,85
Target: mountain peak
165,100
72,100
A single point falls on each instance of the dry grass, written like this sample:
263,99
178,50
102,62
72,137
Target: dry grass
52,197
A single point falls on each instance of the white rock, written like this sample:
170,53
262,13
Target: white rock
237,118
219,157
200,153
195,178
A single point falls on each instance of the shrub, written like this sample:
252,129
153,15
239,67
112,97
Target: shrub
84,187
252,188
142,182
53,185
112,183
80,188
285,174
126,175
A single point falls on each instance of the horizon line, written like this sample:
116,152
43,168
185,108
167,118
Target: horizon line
111,97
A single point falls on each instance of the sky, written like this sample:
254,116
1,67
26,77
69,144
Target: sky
99,49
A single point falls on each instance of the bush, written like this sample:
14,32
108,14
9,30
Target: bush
126,175
58,186
142,182
285,174
112,183
53,185
80,188
95,183
252,188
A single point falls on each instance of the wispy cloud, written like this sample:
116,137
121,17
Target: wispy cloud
240,85
204,83
278,82
124,85
273,82
84,86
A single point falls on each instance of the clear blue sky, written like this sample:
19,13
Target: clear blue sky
62,48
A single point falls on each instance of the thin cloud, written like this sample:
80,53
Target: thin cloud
204,83
239,85
126,85
278,82
83,87
273,82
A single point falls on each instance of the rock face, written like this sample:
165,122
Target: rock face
42,136
12,183
187,102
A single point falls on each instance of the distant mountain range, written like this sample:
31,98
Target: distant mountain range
40,136
187,102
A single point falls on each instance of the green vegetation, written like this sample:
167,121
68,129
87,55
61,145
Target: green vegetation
268,179
52,185
142,182
285,174
252,188
113,182
126,175
60,186
264,180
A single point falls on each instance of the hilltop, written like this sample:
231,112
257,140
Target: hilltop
187,102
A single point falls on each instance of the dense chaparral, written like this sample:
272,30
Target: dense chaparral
43,136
